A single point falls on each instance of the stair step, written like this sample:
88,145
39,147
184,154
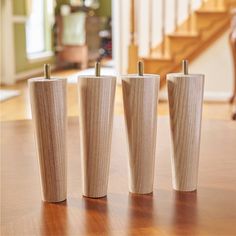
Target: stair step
184,35
178,43
206,20
213,4
207,24
230,3
211,12
158,59
156,65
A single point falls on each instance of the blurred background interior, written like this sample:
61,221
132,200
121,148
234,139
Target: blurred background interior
72,35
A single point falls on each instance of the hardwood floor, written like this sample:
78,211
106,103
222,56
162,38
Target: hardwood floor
18,108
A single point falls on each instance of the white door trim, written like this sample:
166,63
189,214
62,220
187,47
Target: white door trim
19,19
7,43
116,36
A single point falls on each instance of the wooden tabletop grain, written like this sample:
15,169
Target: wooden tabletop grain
209,211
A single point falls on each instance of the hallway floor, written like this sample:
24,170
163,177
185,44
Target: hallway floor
18,108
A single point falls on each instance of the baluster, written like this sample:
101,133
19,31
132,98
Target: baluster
133,48
189,22
150,26
163,27
176,16
132,22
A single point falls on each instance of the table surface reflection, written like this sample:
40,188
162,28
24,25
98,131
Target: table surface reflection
209,211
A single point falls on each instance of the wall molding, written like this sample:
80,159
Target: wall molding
20,19
40,57
217,96
30,73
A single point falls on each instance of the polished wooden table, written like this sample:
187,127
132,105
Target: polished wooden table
209,211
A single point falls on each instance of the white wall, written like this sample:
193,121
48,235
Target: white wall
217,64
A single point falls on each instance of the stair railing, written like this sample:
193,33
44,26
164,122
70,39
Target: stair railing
166,10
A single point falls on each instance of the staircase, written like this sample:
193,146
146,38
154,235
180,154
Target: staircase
202,27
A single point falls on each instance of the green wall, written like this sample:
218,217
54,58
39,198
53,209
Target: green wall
22,63
104,8
19,9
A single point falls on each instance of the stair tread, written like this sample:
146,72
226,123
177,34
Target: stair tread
157,63
213,11
184,34
153,58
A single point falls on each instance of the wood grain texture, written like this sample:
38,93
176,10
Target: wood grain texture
211,210
185,94
140,95
96,106
49,112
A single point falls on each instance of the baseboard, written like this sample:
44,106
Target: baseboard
19,19
30,73
209,96
217,96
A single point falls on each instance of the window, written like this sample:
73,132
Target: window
35,35
38,27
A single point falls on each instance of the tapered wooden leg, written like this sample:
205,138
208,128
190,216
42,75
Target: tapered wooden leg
140,95
48,103
185,94
96,105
